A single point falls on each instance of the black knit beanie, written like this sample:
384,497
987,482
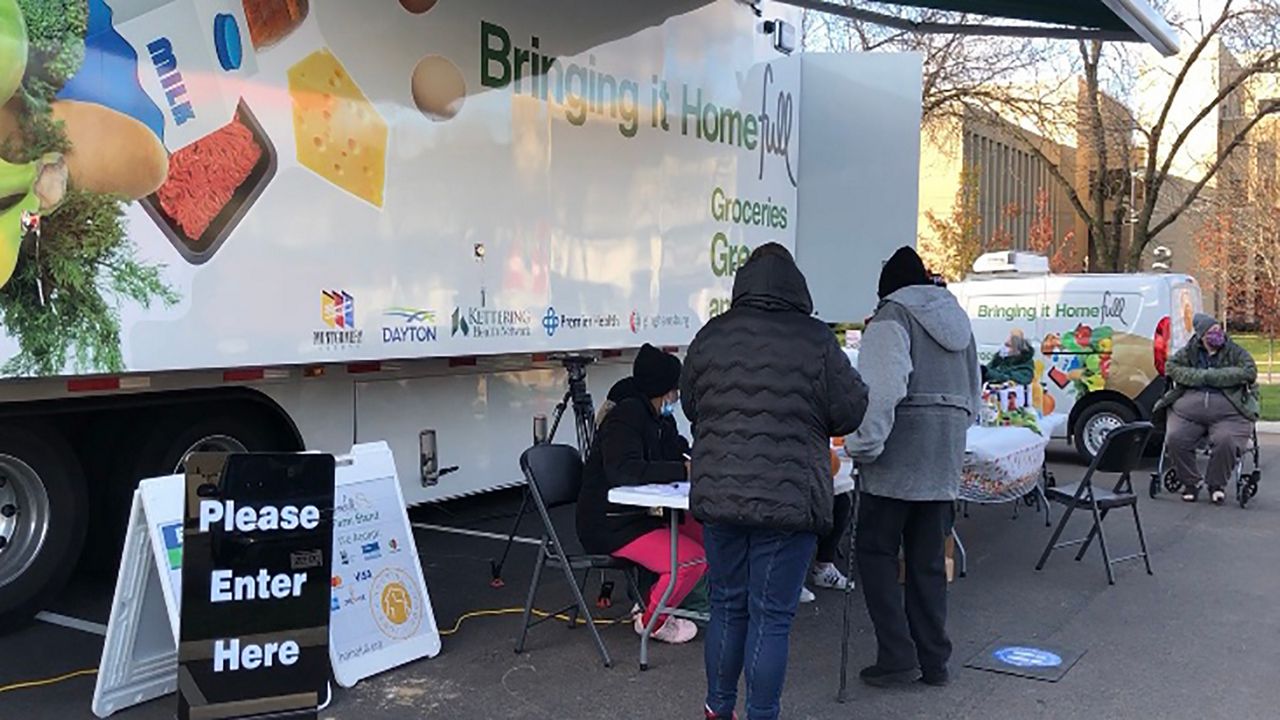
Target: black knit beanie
655,373
904,269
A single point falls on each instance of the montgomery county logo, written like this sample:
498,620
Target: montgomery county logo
338,313
482,322
338,309
553,321
409,325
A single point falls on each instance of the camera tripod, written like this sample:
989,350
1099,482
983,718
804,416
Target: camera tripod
579,398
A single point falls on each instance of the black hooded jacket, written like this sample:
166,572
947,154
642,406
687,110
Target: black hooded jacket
633,446
766,387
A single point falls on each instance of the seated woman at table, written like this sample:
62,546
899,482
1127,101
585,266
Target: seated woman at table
673,443
1014,363
629,449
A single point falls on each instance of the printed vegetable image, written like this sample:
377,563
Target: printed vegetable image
1081,359
13,49
66,168
110,152
55,31
41,185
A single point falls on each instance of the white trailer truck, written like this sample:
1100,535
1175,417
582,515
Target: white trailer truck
288,224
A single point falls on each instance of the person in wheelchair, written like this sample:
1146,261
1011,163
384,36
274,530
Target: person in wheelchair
1213,394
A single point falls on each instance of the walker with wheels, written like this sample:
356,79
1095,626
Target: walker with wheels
1246,482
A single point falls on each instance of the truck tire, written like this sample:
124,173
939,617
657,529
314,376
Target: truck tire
1096,422
158,449
43,507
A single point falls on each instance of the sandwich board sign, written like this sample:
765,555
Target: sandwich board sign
381,614
257,546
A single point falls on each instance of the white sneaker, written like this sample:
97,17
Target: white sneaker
827,575
675,631
806,595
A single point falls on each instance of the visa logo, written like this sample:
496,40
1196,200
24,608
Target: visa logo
175,92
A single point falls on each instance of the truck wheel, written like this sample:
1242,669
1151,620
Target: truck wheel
160,450
1096,422
43,508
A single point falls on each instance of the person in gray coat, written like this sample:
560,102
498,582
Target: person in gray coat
920,361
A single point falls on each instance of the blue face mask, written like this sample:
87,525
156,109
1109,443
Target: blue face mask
669,409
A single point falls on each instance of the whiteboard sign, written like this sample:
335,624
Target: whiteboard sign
382,615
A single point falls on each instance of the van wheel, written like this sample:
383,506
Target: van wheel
43,508
1096,423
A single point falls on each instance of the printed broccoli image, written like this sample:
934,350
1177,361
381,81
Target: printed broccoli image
67,265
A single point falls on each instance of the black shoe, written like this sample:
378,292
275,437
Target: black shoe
936,678
878,677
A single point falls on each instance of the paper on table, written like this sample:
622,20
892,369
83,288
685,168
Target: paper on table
680,489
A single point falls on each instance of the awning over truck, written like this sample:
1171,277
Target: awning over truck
1124,20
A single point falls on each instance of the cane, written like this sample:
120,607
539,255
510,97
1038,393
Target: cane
848,591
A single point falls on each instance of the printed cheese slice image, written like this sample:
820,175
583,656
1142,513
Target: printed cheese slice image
339,134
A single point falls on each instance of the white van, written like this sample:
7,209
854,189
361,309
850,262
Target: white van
1101,340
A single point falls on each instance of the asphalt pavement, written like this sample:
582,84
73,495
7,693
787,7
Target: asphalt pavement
1196,640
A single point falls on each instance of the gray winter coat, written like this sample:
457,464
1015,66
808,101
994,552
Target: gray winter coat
920,361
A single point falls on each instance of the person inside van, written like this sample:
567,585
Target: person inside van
1014,363
630,449
1213,395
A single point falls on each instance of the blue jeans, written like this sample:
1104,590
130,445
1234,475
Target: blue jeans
755,576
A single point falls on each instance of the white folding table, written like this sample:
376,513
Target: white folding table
672,499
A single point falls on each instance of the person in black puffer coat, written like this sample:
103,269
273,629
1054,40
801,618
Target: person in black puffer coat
634,446
765,387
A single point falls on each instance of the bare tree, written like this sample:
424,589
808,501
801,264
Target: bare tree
1136,121
958,70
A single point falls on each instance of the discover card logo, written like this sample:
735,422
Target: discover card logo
409,325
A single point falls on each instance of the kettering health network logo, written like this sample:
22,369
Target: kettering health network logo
415,326
483,322
338,313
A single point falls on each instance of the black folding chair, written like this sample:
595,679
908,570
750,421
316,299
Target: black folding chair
1121,454
554,475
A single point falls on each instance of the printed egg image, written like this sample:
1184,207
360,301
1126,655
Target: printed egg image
438,88
417,7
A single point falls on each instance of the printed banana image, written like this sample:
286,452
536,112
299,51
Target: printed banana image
42,185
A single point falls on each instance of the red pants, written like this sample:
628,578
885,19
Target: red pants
652,551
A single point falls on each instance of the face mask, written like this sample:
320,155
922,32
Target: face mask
1215,339
1006,352
668,409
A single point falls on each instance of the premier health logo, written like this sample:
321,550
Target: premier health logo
551,322
338,313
